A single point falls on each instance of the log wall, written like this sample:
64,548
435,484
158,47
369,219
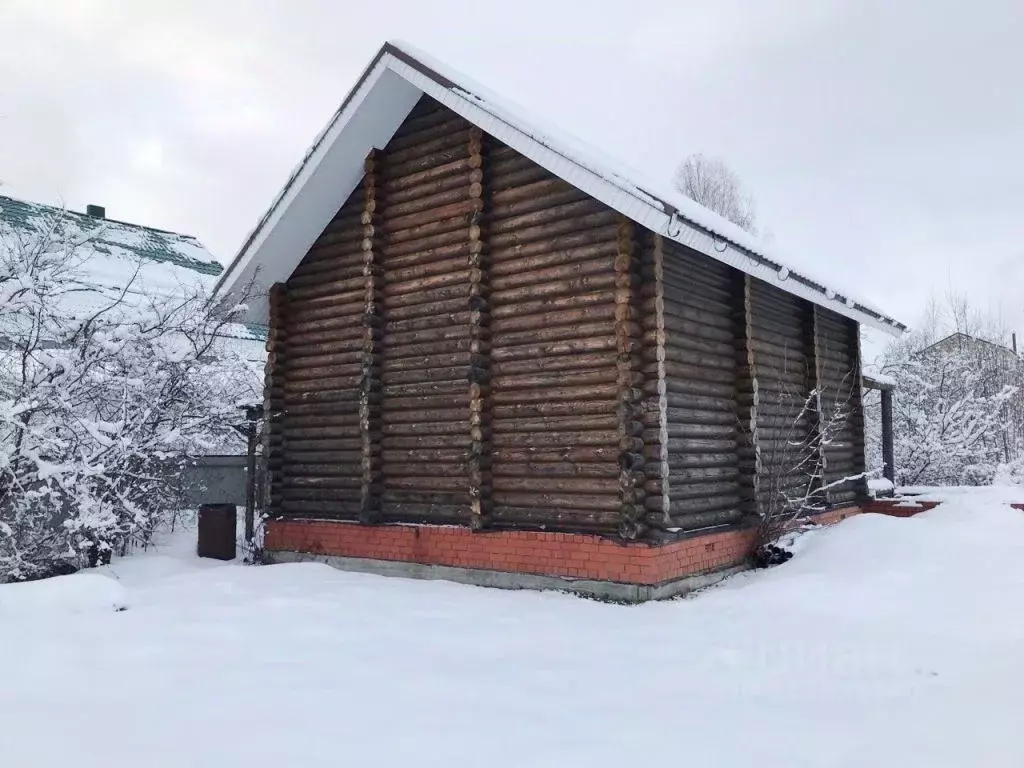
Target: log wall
472,340
780,339
554,380
316,452
698,359
426,202
839,352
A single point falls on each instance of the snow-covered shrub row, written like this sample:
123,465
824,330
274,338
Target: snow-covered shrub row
102,396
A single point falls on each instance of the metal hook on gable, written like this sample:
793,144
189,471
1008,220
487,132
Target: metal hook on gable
677,229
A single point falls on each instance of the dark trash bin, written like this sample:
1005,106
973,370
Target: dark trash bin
217,524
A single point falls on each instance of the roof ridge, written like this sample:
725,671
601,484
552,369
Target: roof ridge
598,173
87,217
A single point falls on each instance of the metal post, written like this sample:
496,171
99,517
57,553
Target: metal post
888,463
252,415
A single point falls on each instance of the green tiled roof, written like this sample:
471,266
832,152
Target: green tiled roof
106,234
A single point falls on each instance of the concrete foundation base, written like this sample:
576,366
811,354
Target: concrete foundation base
601,590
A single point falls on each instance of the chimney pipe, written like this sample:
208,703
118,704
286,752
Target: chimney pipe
1013,336
96,211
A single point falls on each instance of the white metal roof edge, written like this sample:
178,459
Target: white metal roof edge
632,202
299,176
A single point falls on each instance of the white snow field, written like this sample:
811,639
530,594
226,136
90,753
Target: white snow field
884,642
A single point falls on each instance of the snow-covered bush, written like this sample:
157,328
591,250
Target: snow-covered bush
103,396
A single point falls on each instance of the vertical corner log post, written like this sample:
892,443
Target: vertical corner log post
369,379
747,400
888,448
479,343
273,398
814,380
663,471
856,415
629,380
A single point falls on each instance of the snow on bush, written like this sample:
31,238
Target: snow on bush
103,396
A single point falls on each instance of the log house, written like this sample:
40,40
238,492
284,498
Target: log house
473,323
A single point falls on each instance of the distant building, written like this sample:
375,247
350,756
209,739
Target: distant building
984,350
144,262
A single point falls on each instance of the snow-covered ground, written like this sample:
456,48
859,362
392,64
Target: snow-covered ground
884,642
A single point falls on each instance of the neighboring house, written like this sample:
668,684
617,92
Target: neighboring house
1001,364
999,355
143,262
476,324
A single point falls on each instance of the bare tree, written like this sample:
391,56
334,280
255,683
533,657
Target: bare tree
710,182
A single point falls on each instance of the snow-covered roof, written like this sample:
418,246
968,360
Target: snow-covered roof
378,104
117,256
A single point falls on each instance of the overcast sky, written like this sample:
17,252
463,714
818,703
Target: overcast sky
883,141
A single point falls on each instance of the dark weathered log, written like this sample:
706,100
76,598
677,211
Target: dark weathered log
414,512
551,408
325,372
687,375
599,263
416,146
391,185
425,190
421,357
716,431
417,376
444,279
423,388
569,287
511,177
429,309
326,271
570,456
604,390
327,400
534,307
551,225
548,440
689,521
564,362
395,459
429,482
423,222
444,264
324,383
584,501
546,484
340,510
536,382
313,359
452,234
565,318
411,163
343,421
552,343
605,421
419,442
324,290
555,197
532,469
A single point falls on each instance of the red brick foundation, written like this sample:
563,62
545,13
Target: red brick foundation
566,555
